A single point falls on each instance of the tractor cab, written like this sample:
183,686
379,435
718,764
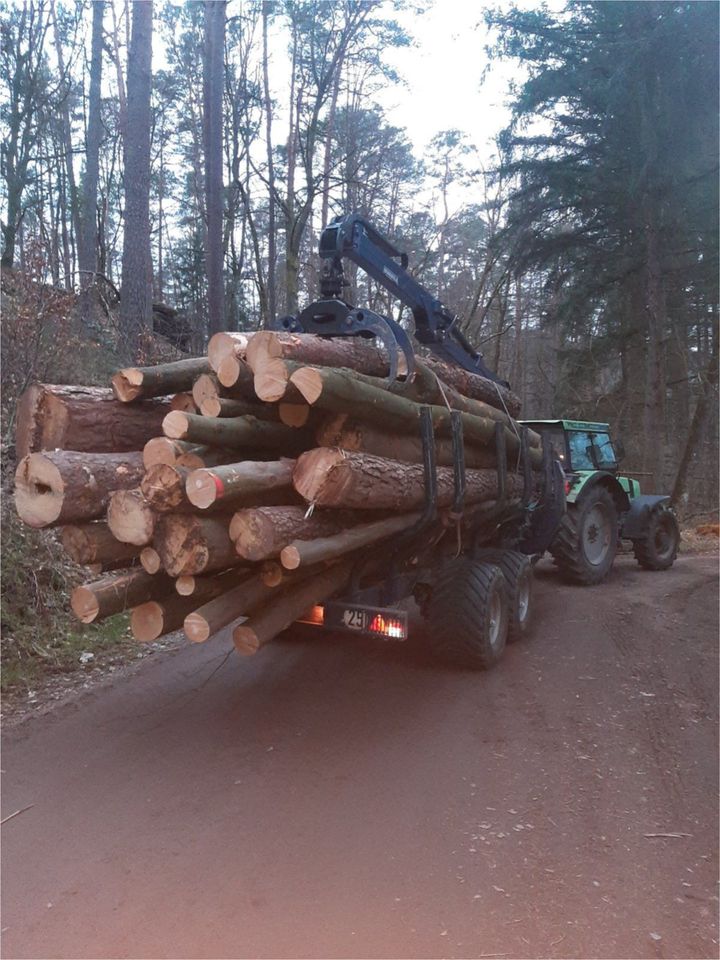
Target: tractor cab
579,445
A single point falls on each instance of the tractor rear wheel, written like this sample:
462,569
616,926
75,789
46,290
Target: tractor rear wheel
584,547
467,614
657,551
517,568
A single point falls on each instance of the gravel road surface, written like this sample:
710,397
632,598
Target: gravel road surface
335,798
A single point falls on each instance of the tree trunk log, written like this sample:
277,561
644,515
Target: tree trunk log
95,601
236,377
88,419
306,552
93,543
306,348
134,382
233,480
65,486
291,604
201,587
293,414
474,386
130,517
339,392
241,601
189,545
359,481
235,433
158,617
260,533
349,434
164,450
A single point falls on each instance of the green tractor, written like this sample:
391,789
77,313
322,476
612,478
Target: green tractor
602,507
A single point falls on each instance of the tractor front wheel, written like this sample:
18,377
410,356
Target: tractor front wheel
657,550
584,547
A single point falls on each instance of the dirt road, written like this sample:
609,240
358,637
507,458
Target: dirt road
344,799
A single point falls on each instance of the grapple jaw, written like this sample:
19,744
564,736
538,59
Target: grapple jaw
336,318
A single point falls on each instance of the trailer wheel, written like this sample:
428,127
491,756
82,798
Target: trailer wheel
467,614
518,571
657,551
584,547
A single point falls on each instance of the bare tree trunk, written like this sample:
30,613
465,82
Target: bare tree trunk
213,83
136,288
87,236
654,411
272,253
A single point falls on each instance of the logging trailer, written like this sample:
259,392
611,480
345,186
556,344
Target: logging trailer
471,571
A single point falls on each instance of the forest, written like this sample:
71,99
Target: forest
168,168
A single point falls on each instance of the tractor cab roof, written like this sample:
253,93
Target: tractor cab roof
570,425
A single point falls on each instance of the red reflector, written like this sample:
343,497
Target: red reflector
568,487
387,627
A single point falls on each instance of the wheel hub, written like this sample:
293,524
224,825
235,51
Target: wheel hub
597,534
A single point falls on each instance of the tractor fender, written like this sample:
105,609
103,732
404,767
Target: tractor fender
599,478
635,522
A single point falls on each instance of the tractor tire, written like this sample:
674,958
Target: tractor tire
657,551
584,547
517,568
467,614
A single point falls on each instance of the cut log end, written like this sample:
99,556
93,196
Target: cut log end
271,379
246,641
150,560
293,414
228,371
175,425
196,628
146,621
127,384
290,557
84,604
185,585
203,488
211,407
309,382
39,491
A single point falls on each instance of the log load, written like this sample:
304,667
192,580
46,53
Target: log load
150,560
260,533
227,344
361,481
176,377
94,543
189,545
163,487
89,419
284,609
323,549
113,594
65,486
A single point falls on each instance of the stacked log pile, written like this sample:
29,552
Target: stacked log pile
239,488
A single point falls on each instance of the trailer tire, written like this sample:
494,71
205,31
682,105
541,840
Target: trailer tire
658,550
517,568
467,614
584,547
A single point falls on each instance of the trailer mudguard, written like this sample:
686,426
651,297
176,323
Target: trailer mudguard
635,522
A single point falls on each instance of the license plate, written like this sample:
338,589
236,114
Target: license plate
390,623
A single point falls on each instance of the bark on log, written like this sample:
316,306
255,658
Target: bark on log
260,533
163,487
157,617
235,433
226,344
130,517
65,486
150,560
291,604
135,382
343,431
95,601
224,407
308,349
227,483
340,392
330,478
474,386
88,419
189,545
203,456
93,543
306,552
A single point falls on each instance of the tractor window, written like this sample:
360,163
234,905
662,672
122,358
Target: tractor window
591,451
555,436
